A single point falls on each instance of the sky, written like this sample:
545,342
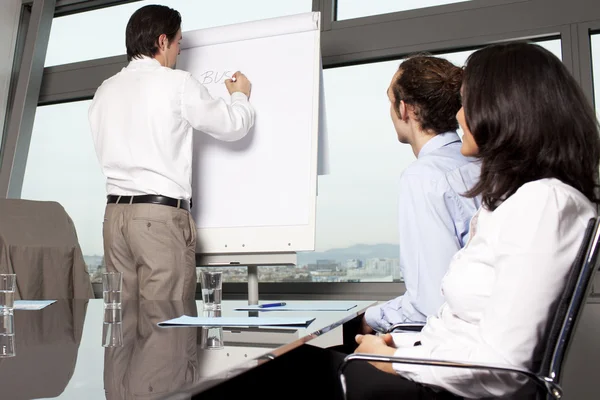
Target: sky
357,200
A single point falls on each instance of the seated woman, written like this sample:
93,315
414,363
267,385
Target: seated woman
527,120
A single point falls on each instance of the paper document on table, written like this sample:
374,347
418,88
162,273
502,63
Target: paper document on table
313,306
236,321
32,304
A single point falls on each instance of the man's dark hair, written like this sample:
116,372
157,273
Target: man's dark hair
432,86
530,120
146,25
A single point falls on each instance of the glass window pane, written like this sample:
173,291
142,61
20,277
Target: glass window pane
554,46
347,9
62,166
356,207
596,70
85,36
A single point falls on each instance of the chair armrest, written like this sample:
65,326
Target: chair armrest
551,387
410,327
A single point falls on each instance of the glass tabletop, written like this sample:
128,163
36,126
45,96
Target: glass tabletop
60,352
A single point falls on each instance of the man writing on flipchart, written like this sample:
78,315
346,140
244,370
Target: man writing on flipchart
142,120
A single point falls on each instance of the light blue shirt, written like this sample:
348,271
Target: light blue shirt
433,222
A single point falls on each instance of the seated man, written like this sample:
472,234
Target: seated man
433,215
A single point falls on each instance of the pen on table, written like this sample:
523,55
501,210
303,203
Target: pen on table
271,305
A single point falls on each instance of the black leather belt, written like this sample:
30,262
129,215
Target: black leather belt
150,199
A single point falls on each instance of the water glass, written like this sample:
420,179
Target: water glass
7,335
112,328
8,283
211,338
212,313
112,283
212,289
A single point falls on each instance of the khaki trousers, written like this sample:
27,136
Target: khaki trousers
152,362
154,247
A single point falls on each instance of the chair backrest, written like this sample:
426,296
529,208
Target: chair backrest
572,301
38,242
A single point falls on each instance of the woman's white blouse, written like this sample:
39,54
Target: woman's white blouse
500,289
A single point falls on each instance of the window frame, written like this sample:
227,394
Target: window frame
415,12
586,77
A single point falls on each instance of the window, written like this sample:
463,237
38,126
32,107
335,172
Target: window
62,166
356,223
347,9
595,39
356,227
101,33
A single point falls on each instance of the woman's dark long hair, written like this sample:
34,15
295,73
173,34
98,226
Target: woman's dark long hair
530,120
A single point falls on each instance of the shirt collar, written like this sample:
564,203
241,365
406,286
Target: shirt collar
438,141
144,60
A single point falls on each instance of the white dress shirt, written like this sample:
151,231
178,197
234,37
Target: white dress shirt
142,120
500,289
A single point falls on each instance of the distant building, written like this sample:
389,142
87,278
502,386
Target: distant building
325,276
382,266
354,263
323,270
324,265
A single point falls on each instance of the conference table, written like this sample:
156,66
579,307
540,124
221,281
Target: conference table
60,353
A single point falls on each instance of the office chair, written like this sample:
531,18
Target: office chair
406,327
39,243
558,335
